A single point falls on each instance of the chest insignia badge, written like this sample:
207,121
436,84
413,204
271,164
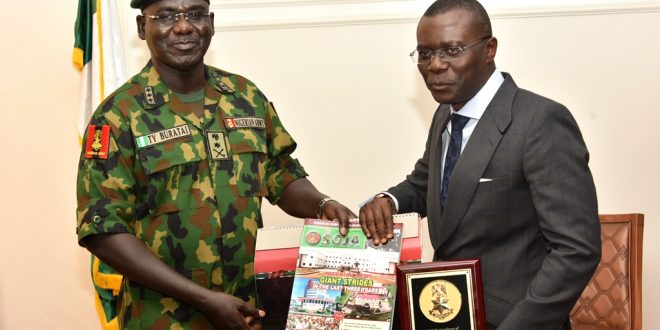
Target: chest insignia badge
165,135
217,145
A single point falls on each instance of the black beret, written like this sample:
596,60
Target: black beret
140,4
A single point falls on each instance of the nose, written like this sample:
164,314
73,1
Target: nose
437,64
182,25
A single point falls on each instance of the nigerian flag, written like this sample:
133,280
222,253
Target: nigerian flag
99,56
98,53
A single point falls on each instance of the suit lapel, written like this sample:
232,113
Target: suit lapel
475,158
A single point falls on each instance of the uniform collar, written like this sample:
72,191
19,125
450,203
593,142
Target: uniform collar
155,93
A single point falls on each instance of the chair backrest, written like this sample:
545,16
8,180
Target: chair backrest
613,297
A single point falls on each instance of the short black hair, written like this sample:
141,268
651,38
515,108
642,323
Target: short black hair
471,6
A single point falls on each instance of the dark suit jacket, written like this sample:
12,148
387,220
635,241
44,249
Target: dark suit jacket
535,226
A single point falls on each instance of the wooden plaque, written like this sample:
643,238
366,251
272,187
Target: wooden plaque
441,295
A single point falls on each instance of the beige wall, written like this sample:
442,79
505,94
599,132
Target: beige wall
346,90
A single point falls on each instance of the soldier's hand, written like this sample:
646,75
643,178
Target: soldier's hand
376,219
255,323
333,210
224,311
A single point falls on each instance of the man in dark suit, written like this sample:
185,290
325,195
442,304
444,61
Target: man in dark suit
504,177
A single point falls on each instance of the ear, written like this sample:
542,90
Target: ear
141,21
491,49
212,17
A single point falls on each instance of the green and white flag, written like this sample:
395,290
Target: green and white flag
98,53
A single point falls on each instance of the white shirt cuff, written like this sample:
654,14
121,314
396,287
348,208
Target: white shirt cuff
396,202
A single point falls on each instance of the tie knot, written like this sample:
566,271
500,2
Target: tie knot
458,122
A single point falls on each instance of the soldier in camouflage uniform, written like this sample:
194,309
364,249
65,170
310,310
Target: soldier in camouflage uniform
173,170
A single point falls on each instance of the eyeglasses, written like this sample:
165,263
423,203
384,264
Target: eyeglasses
193,17
446,54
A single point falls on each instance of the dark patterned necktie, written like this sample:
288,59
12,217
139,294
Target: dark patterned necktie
453,152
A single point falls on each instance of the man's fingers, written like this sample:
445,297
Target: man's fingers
390,222
389,226
379,219
363,223
343,226
341,213
249,311
250,318
347,216
371,224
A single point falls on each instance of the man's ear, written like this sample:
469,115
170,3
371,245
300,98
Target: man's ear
491,49
212,17
140,20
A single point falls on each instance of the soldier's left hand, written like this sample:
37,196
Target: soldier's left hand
333,210
253,323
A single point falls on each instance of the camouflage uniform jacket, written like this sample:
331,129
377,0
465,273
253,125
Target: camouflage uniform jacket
189,186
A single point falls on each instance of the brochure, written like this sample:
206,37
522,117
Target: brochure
343,282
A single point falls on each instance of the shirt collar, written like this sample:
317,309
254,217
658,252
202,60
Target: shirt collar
475,107
155,93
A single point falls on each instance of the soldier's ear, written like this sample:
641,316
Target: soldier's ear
140,20
212,23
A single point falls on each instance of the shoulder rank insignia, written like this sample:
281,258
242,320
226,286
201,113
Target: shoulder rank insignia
98,140
245,122
149,95
218,80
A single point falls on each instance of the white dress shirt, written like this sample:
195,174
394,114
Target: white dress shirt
473,109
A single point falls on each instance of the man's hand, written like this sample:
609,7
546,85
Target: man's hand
301,199
376,219
224,311
333,210
129,256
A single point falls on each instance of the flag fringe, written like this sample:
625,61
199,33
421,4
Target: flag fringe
105,281
78,58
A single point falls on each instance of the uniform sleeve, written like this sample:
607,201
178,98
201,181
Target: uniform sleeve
281,168
105,187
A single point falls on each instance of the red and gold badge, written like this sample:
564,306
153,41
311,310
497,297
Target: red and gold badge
98,140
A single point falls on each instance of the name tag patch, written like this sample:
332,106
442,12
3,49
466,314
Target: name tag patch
217,145
162,136
245,122
98,141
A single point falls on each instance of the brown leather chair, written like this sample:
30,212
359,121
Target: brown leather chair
613,297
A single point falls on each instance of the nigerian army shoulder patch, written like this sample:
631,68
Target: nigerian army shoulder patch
98,140
245,122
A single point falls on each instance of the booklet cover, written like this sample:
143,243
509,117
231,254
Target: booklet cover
343,282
